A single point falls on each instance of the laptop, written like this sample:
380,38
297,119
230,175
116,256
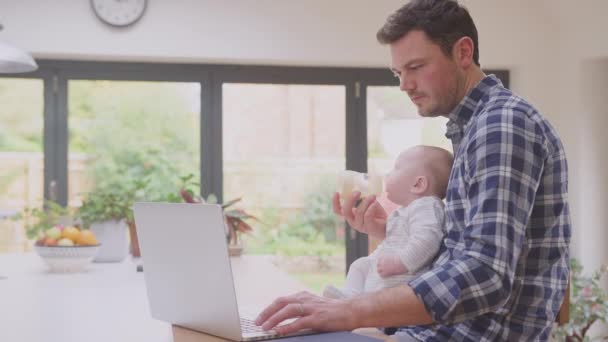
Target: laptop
187,270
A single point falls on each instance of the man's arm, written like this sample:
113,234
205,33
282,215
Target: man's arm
392,307
397,306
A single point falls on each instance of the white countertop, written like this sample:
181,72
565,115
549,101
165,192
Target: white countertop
106,303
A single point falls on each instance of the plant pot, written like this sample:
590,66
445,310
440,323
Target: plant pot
235,250
113,238
133,239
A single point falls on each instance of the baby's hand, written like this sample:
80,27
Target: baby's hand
389,265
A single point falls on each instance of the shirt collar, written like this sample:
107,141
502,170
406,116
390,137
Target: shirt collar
463,112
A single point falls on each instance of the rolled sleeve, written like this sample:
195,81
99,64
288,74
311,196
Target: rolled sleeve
501,167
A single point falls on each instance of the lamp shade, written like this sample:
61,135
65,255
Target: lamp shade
14,60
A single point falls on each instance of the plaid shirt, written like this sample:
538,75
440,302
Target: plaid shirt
503,267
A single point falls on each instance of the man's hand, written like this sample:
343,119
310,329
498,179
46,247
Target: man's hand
368,217
390,265
393,307
312,312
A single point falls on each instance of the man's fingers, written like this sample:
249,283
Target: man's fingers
369,213
297,325
336,204
289,311
349,204
277,305
281,302
375,205
362,214
358,213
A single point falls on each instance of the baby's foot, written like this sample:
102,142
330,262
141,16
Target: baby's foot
331,291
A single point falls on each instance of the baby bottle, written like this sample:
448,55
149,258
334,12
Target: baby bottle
366,183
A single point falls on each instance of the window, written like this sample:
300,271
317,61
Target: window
21,156
123,131
283,146
274,136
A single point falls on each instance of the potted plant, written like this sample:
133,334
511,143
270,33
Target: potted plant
236,219
38,220
107,211
588,304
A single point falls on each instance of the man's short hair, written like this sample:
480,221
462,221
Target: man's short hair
443,21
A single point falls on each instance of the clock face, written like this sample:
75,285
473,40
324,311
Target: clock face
119,12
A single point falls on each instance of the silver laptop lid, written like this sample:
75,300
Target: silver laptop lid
187,268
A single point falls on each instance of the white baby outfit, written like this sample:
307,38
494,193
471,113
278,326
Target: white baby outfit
414,233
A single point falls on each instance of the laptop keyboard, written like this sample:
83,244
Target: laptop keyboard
248,326
252,332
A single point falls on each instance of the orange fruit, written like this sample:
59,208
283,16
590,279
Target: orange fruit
49,242
71,233
87,238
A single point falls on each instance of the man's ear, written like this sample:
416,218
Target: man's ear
463,52
420,186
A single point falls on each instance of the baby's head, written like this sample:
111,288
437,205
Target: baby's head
419,171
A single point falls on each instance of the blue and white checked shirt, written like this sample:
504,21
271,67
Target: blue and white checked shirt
503,267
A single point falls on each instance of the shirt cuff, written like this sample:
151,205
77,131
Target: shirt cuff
459,290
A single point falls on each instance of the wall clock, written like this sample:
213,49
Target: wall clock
119,12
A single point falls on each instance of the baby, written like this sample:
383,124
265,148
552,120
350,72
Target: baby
414,231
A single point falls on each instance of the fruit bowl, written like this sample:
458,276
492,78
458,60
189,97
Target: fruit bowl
67,258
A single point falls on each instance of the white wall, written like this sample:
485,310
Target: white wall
593,200
594,183
311,32
582,80
549,46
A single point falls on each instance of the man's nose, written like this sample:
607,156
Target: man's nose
406,84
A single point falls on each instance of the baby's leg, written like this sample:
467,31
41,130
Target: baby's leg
355,280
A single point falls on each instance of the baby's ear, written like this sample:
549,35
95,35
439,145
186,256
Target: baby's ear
420,186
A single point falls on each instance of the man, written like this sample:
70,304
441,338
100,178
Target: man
502,269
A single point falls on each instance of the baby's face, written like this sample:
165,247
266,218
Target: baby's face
400,180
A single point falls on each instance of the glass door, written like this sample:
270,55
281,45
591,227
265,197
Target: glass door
21,156
283,146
